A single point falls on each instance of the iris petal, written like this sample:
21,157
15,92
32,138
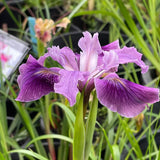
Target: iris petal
35,80
68,84
65,56
123,96
111,46
90,47
110,61
130,55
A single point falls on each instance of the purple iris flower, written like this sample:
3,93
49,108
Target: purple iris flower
95,67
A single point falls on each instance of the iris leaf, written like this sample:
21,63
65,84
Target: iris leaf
90,126
30,153
79,132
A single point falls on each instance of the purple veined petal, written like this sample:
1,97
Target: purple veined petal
90,47
111,46
68,84
64,56
130,55
35,80
125,97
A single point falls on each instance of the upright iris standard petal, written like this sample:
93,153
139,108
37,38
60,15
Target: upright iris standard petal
112,46
123,96
54,53
90,47
35,80
64,56
68,84
130,55
110,60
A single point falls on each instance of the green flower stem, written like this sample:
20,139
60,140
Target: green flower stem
64,146
40,48
90,125
85,104
47,127
79,132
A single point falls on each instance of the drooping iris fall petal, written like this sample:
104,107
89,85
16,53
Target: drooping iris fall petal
35,80
125,97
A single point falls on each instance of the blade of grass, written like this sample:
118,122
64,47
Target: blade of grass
64,146
90,125
69,114
50,136
116,152
110,133
143,24
100,147
158,155
29,153
3,143
47,10
3,117
13,125
25,118
148,126
28,123
152,13
139,39
14,144
45,116
2,157
11,14
77,8
111,147
133,141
